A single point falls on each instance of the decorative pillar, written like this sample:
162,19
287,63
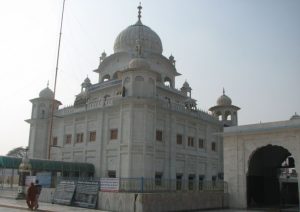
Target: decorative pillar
24,171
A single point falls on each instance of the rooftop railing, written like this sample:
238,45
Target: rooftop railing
179,107
110,101
100,103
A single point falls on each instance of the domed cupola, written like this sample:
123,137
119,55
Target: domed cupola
295,116
224,100
86,83
225,111
186,85
186,89
46,93
126,40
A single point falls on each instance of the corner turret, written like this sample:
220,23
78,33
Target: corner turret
39,123
225,111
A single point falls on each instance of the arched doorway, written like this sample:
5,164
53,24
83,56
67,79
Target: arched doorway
269,181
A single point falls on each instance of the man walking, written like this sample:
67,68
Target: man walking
31,196
38,192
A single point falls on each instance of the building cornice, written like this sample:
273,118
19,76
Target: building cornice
262,128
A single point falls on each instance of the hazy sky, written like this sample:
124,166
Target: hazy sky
252,48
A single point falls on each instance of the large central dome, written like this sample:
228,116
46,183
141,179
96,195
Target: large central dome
127,39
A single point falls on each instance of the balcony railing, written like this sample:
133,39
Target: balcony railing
101,103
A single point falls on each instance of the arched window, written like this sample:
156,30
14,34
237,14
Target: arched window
228,115
42,109
213,146
105,78
43,114
219,115
168,82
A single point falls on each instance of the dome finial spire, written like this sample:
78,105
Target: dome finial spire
223,91
140,11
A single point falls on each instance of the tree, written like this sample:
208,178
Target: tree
18,152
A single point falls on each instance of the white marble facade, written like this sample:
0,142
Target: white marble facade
133,122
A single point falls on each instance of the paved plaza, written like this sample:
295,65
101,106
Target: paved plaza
10,205
7,204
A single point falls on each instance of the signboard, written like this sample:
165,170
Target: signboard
64,192
44,179
86,194
109,184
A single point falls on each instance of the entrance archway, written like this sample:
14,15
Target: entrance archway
266,178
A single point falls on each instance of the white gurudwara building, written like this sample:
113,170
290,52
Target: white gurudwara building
133,122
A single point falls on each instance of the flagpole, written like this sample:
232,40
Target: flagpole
55,81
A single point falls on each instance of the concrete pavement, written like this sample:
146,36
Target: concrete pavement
7,204
10,205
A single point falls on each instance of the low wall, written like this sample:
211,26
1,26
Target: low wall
114,201
180,201
148,202
175,201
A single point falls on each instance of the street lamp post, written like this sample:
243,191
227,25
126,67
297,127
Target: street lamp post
24,170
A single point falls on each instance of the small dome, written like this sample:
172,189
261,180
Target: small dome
224,100
46,93
186,85
81,99
86,83
126,40
295,116
139,63
87,80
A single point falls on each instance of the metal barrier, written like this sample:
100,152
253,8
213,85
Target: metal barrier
9,178
148,185
152,185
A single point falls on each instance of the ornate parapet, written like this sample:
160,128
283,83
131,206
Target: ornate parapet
92,105
165,103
